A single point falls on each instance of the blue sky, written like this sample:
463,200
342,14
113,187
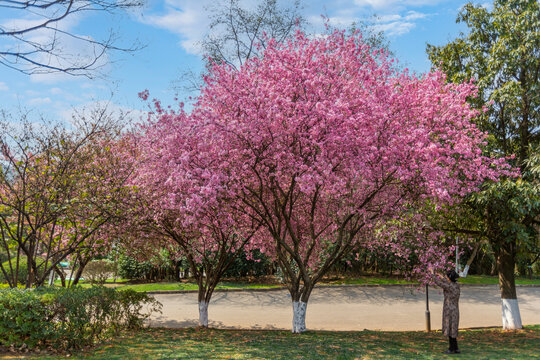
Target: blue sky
171,29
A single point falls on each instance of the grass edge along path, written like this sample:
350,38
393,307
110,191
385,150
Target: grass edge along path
362,280
196,343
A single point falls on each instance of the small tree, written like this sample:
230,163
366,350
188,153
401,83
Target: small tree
58,188
179,201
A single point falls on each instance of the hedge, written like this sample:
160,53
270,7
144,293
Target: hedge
69,318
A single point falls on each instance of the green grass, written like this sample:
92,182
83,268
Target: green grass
485,279
236,344
471,279
367,280
360,280
163,286
169,286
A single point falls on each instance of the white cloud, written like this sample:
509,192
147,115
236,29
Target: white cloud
390,17
395,28
394,17
56,91
339,20
32,19
393,4
396,24
186,18
39,101
32,93
79,53
413,15
70,51
3,86
67,94
189,20
113,109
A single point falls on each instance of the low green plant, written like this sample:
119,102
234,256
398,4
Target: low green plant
131,268
23,270
69,318
98,271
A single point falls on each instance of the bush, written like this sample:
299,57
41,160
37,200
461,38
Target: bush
157,268
133,269
254,263
69,318
98,271
23,269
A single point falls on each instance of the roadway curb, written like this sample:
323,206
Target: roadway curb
279,288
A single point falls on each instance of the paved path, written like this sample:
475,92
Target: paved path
345,308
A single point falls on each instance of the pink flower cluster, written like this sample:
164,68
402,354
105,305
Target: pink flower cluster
319,140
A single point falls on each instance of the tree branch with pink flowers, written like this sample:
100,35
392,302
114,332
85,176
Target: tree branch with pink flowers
323,140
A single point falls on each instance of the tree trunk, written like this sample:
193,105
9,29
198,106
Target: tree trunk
80,269
300,296
511,318
204,295
203,313
61,275
299,317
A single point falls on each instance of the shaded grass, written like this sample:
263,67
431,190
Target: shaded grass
197,343
164,286
367,280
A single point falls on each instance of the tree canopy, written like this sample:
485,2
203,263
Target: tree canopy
501,51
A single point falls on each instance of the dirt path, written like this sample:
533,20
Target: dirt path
345,308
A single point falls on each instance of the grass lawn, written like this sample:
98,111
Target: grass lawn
235,344
192,286
361,280
485,279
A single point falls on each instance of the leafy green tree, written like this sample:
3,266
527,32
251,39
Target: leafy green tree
501,52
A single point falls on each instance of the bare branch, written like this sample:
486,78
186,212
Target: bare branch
38,47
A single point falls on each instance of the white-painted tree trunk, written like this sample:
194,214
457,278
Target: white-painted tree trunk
203,313
299,317
465,271
511,318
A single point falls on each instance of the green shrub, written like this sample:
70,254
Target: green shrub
69,318
98,271
249,264
159,267
131,268
23,269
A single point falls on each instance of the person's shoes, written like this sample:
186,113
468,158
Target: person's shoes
457,351
449,352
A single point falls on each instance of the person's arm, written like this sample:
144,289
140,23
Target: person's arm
440,282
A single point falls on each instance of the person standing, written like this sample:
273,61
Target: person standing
450,318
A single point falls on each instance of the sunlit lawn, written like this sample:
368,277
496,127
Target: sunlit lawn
231,344
359,280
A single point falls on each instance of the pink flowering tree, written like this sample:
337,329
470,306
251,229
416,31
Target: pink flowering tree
321,140
182,202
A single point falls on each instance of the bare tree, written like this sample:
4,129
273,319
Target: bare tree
238,33
37,41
